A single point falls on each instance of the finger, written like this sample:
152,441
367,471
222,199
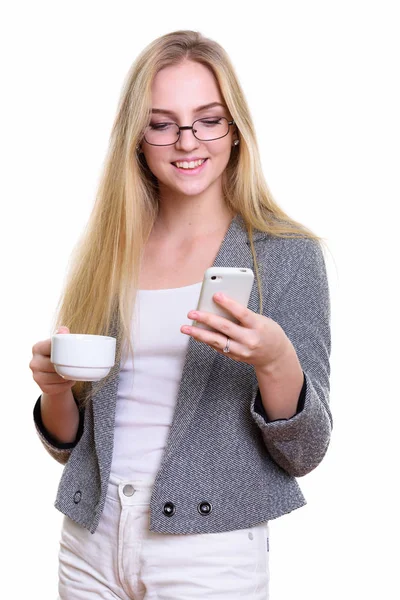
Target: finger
44,378
42,348
213,339
220,324
41,364
243,314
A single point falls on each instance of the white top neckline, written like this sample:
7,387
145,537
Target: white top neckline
183,287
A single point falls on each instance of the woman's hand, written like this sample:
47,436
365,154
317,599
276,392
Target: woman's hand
58,410
43,371
256,339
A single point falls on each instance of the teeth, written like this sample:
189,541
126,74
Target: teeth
189,165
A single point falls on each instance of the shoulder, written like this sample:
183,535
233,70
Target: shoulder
290,268
289,253
281,256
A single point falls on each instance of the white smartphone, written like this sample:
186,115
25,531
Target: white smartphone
235,282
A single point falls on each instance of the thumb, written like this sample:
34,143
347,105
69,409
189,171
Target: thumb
62,329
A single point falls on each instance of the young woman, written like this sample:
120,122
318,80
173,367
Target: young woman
175,463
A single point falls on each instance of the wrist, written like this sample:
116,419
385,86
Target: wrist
285,357
62,396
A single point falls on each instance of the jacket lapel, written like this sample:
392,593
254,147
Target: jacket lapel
104,404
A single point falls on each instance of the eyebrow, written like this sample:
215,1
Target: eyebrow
163,111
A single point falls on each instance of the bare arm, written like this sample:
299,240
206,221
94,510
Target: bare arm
60,416
280,383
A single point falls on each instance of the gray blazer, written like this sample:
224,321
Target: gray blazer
225,466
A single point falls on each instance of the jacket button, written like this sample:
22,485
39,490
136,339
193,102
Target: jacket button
77,497
169,509
204,508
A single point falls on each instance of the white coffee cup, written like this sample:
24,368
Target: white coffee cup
82,357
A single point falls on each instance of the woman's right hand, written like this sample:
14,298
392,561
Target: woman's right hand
43,371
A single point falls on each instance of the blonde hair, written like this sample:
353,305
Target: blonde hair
100,289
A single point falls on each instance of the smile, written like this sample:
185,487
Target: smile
194,164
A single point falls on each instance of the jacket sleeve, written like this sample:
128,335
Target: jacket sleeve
60,452
299,444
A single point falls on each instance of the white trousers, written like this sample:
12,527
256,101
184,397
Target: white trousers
124,560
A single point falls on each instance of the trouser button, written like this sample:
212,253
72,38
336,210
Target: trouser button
128,490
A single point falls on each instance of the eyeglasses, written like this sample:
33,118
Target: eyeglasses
205,130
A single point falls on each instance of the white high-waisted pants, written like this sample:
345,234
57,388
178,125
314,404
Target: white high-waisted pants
124,560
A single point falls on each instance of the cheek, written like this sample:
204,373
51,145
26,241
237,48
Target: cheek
223,151
223,146
155,158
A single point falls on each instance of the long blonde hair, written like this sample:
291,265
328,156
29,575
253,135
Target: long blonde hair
100,289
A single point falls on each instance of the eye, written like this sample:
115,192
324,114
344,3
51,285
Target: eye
161,126
211,121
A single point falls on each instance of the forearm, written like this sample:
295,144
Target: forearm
60,416
280,384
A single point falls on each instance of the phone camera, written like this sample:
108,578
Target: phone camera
213,277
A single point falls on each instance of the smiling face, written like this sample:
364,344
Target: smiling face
181,94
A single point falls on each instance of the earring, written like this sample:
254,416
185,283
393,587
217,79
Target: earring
236,143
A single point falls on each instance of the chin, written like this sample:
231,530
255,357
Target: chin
195,188
195,191
191,190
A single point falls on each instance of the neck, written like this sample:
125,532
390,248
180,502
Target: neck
192,216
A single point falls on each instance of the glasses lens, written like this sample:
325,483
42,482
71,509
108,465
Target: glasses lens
162,134
210,128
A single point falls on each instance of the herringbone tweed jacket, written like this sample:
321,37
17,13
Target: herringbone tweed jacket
221,449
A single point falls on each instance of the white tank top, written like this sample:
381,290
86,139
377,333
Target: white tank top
148,388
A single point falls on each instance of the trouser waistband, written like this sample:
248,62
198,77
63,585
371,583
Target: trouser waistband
134,491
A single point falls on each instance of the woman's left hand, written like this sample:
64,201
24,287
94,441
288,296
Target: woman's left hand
256,339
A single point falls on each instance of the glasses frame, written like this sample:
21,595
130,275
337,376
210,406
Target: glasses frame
183,127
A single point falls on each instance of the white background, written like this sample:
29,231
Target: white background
322,82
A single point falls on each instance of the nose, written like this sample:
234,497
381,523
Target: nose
187,141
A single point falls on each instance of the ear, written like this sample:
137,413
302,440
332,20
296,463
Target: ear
235,136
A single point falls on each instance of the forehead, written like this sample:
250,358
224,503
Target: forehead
183,86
